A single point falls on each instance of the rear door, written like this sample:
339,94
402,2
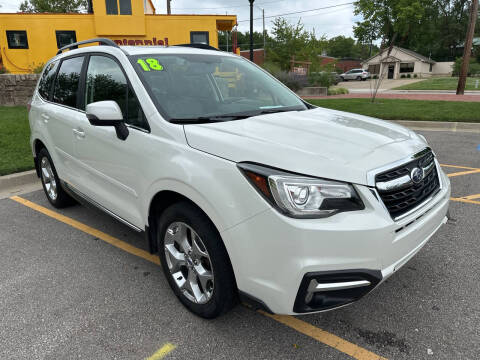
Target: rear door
62,114
110,168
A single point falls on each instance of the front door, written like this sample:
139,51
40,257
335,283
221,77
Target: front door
391,71
111,169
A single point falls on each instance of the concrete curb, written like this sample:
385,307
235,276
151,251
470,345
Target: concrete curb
440,126
18,179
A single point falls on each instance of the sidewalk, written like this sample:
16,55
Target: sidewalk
406,96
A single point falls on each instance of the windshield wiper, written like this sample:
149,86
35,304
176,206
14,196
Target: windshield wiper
208,119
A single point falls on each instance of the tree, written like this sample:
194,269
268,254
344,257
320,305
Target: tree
432,28
293,41
53,6
243,40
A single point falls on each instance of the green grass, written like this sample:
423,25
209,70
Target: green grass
399,109
448,83
15,153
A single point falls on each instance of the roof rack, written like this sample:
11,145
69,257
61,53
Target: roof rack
101,41
199,46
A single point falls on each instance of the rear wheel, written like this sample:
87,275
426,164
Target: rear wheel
50,181
359,78
195,261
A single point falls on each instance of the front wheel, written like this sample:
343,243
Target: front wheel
195,261
359,78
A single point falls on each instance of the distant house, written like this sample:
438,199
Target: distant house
403,62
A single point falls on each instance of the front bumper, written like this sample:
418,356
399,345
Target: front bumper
272,255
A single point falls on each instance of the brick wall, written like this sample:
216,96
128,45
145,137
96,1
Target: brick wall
17,89
258,55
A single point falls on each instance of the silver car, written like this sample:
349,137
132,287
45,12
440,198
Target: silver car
355,74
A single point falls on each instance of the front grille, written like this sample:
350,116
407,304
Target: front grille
401,200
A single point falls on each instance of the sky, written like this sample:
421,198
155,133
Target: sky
329,22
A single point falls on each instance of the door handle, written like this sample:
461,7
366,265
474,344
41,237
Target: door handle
79,133
45,118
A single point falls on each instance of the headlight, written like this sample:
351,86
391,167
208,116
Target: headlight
299,196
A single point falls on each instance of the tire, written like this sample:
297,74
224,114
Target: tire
204,284
359,78
50,181
343,79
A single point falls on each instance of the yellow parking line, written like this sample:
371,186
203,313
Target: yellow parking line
301,326
472,197
162,352
325,337
464,173
89,230
459,167
465,200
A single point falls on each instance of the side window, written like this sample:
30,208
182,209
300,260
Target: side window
106,81
45,85
68,79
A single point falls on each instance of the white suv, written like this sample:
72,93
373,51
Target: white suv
243,189
355,74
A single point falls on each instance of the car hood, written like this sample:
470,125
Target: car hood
319,142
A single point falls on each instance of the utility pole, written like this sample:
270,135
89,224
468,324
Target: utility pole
251,29
264,36
169,10
467,51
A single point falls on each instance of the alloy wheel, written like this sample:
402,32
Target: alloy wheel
189,262
48,178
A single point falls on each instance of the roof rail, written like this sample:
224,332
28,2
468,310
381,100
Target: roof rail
199,46
101,41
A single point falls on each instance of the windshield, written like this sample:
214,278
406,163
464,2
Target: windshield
199,87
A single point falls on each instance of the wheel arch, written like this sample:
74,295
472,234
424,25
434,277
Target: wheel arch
37,146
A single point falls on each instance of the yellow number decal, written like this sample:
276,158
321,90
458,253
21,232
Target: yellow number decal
150,64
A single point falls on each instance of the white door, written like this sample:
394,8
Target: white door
110,168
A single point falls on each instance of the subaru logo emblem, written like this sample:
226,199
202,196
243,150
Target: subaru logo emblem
416,175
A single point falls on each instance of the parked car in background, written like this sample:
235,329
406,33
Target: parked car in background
355,74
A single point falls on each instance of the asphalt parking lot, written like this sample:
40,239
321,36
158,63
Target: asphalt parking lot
75,283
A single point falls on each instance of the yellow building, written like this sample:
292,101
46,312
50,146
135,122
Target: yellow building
27,41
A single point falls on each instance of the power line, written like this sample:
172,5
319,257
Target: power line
226,7
303,11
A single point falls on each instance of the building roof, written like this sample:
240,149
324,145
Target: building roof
406,51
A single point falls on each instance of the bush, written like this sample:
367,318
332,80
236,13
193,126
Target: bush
375,77
322,79
473,69
3,70
38,69
415,76
402,76
337,91
292,81
409,76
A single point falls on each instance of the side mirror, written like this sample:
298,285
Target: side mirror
107,113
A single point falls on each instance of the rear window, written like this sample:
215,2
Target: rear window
68,79
45,85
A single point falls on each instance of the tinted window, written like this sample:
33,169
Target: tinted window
68,78
65,38
46,81
112,8
106,81
17,39
125,7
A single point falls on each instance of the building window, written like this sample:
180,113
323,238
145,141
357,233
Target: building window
407,68
199,37
431,67
113,5
17,39
374,69
65,38
125,7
